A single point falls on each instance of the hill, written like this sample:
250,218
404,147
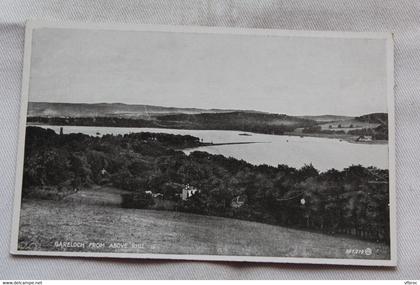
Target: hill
123,115
238,120
327,118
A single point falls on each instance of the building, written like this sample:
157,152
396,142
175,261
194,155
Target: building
154,195
188,191
238,202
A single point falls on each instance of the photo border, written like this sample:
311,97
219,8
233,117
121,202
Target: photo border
35,24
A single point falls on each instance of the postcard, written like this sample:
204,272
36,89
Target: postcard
206,143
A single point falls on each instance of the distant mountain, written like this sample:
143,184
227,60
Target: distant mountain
75,110
238,120
374,118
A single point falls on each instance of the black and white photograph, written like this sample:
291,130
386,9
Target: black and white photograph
199,143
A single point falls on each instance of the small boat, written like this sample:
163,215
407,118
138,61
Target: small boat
244,134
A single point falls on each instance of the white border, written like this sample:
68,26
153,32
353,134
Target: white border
388,37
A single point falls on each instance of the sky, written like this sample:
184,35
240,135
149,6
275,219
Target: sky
276,74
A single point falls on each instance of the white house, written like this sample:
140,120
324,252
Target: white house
188,191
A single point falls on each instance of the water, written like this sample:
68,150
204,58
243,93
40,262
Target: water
323,153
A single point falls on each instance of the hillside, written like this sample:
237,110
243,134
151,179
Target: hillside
327,118
374,118
140,162
175,232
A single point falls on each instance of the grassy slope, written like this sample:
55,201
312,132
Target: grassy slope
44,222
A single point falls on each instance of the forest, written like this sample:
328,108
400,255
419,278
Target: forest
353,201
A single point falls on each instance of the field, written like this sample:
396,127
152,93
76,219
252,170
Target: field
45,222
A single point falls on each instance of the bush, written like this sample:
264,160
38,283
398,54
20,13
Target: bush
139,200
